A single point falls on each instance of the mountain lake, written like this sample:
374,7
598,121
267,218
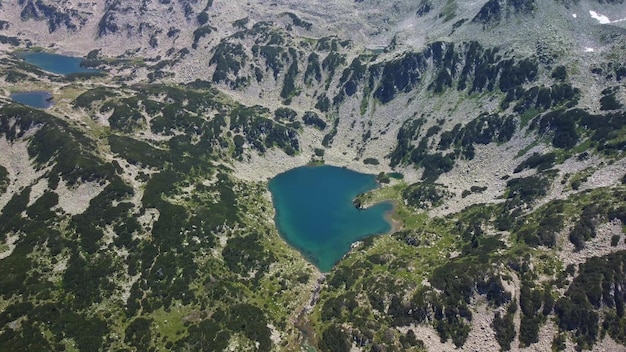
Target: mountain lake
59,64
40,100
315,214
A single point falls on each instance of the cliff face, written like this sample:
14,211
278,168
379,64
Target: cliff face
135,216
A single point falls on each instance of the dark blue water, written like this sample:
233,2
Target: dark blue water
55,63
41,100
315,214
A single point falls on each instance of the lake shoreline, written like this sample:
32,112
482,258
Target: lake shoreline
396,225
315,215
281,233
55,63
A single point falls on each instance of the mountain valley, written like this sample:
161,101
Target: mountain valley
135,213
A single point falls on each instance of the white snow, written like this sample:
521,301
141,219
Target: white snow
589,50
601,18
574,15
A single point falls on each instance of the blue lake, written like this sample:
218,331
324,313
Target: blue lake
55,63
41,100
315,214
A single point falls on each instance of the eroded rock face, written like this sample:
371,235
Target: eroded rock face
56,16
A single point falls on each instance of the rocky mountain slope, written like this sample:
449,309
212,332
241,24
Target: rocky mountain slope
135,215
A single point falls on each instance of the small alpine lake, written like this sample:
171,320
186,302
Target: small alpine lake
315,214
40,100
55,63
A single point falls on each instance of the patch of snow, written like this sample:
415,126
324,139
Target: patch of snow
589,50
574,15
601,18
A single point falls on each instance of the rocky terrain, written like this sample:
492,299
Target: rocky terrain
135,214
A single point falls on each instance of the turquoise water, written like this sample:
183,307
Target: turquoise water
315,214
55,63
41,100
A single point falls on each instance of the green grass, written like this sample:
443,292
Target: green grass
580,177
365,101
527,148
171,324
449,10
442,242
527,116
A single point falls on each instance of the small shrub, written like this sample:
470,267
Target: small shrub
311,118
559,73
425,195
615,240
382,178
370,161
